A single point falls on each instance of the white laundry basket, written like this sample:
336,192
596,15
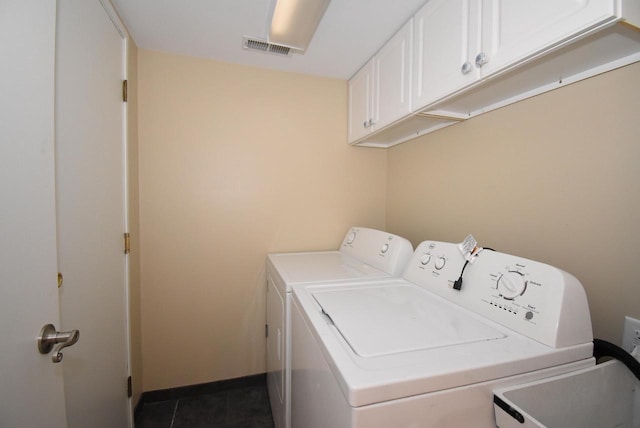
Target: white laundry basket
603,396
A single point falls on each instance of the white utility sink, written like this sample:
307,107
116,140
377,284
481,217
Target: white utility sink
606,395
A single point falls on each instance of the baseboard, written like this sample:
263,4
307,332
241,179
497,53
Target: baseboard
199,389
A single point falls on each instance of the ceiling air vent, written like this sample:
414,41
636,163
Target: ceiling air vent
264,46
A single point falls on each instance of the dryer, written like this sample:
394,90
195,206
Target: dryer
416,352
364,255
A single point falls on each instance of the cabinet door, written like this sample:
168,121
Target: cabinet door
447,35
392,77
515,30
361,102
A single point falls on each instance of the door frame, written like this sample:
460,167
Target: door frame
124,34
114,17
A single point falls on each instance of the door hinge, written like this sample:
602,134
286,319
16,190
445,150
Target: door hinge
124,91
266,330
127,243
129,387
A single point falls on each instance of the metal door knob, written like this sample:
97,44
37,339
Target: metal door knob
50,337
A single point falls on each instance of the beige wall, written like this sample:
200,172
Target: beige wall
235,162
555,178
135,321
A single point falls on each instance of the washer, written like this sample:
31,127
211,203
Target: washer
364,255
415,352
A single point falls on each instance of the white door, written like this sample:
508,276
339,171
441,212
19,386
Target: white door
515,30
90,200
31,386
447,38
393,78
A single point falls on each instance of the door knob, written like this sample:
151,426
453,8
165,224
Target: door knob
49,337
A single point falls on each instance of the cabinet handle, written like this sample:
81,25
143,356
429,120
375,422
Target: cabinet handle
368,123
466,67
481,59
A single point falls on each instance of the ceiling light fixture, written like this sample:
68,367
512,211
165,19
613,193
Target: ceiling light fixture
294,22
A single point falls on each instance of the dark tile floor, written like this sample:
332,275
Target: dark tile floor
235,407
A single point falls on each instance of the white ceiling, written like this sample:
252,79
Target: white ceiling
350,32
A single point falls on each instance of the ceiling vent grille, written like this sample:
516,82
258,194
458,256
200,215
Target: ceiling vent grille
252,43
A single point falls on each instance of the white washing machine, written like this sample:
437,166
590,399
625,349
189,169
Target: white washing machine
415,352
365,254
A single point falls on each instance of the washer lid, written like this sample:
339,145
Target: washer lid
393,319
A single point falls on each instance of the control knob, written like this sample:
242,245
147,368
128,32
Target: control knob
511,284
424,260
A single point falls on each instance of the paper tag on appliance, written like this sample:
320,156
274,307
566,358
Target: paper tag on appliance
467,247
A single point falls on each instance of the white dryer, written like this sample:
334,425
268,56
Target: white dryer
364,255
415,352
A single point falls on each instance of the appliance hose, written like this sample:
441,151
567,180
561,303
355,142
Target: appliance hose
602,348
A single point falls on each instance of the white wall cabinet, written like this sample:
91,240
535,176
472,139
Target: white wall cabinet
447,35
380,93
473,56
513,31
458,42
361,103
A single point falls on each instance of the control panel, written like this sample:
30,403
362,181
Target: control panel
531,298
385,251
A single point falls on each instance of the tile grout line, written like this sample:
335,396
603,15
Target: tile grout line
175,410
